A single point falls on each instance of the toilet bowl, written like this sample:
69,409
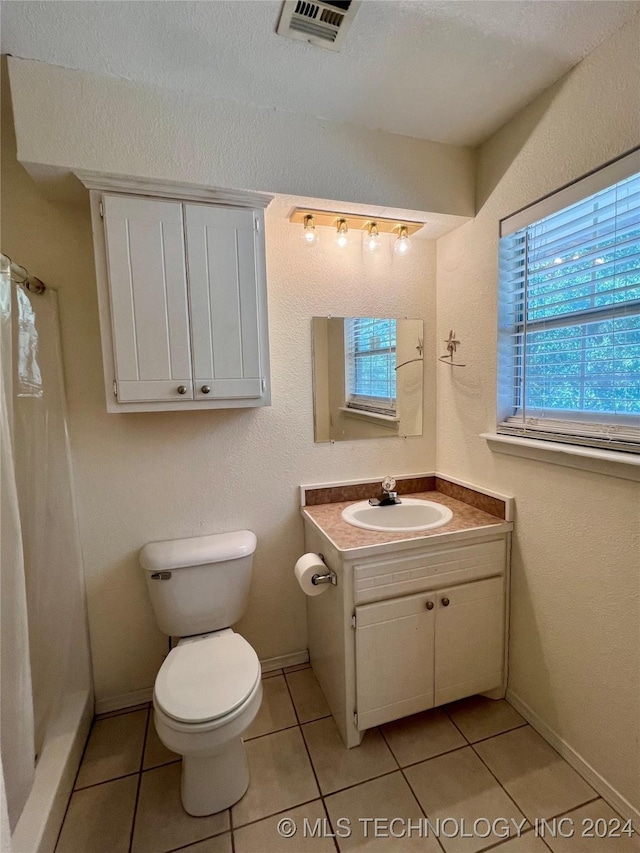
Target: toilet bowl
207,693
208,689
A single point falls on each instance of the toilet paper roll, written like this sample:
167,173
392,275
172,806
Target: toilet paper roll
307,566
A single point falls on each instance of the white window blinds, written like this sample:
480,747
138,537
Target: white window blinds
569,349
370,349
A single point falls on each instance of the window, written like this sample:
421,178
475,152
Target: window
370,348
569,349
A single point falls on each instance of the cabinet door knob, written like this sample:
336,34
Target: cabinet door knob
445,602
429,605
205,389
182,389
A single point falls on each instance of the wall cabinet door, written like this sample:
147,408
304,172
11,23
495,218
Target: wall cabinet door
394,658
226,272
469,639
182,292
148,297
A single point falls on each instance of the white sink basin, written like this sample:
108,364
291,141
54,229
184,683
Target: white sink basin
410,516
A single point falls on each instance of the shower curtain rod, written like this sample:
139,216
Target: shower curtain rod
20,275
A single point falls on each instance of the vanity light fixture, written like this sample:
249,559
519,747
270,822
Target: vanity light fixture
372,240
310,234
342,236
403,244
345,223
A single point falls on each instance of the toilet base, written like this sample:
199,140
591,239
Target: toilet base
212,783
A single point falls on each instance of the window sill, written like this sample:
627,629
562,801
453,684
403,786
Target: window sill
612,463
388,421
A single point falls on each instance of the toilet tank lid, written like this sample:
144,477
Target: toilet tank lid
198,550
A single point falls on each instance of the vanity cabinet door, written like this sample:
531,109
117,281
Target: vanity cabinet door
227,296
148,299
394,658
469,644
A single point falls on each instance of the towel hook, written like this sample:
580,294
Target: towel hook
452,345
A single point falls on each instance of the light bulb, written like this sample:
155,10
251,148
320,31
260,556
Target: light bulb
342,237
372,240
403,243
310,235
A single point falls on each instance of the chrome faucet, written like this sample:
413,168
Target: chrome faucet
389,495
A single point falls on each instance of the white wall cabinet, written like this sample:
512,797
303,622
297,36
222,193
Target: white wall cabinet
183,302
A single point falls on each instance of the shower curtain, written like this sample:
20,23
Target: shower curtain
16,704
40,558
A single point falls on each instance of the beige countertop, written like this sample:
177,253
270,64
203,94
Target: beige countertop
345,537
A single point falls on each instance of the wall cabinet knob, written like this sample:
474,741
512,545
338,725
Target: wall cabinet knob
205,389
445,602
429,605
182,389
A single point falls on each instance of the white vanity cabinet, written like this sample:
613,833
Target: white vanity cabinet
183,302
428,649
410,626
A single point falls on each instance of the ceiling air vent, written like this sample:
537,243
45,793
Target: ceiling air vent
323,24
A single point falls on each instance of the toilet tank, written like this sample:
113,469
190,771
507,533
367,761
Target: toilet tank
200,584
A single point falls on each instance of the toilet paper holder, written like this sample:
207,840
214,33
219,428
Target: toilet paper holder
330,576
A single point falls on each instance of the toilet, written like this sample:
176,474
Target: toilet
209,688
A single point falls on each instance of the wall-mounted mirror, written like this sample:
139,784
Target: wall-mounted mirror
367,377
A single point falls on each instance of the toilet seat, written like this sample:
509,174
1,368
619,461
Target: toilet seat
206,679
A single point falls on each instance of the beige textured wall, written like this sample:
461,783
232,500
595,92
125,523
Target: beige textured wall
143,477
74,120
575,641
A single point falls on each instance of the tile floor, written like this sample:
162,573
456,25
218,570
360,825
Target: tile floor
475,759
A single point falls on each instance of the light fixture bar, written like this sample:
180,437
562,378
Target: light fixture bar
354,221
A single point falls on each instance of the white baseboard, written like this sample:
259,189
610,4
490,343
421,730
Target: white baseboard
138,697
606,791
124,700
285,660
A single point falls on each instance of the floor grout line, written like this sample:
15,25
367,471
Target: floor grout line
329,821
500,785
275,814
498,734
200,840
135,805
559,814
363,782
304,740
437,755
106,781
506,840
408,784
512,799
159,766
574,808
231,829
284,729
389,747
456,725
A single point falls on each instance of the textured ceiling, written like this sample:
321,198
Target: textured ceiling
447,71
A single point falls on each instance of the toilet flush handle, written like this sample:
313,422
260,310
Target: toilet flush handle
160,576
